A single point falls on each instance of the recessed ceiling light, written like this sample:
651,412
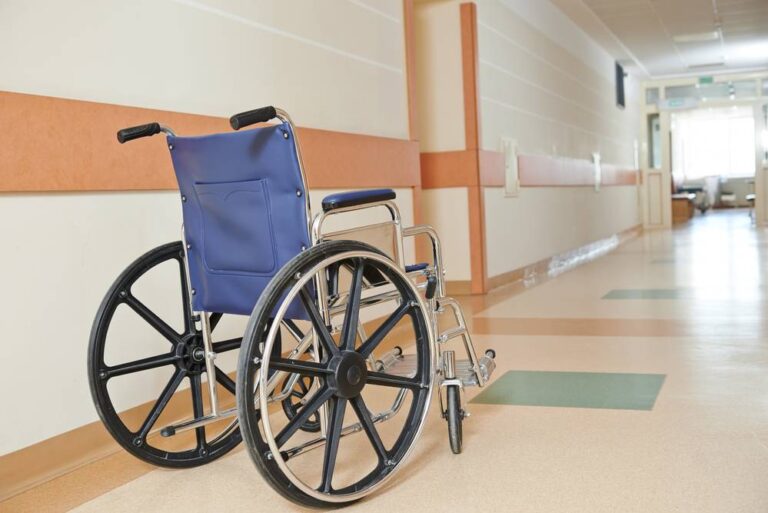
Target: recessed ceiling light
706,65
698,37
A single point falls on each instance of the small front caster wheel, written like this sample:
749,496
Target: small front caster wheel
454,415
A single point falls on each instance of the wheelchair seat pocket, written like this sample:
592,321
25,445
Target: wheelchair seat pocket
236,227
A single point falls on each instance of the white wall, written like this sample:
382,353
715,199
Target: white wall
215,57
546,221
545,83
447,212
439,83
440,96
62,251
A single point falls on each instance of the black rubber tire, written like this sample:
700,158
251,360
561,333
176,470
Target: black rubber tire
454,415
139,448
250,417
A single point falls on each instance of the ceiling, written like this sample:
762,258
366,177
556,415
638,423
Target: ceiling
658,38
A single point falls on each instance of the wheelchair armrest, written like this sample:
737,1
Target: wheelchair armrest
355,198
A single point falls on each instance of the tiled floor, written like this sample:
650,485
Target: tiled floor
612,390
691,364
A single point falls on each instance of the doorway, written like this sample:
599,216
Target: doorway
712,154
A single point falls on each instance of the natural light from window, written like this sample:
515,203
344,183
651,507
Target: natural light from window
714,142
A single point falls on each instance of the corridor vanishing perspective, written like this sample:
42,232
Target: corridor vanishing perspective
643,372
384,255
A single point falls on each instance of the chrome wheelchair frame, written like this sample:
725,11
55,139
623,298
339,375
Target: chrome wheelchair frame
420,289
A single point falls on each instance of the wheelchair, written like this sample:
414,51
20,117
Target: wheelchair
343,336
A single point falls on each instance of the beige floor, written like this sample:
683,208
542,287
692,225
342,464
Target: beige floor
703,447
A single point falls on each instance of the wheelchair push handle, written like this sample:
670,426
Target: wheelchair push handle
252,117
135,132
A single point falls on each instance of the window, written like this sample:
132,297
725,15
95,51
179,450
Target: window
764,134
733,90
713,142
651,95
654,140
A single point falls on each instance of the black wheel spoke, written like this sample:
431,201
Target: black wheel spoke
151,362
224,380
332,439
352,314
293,329
152,319
382,331
317,323
161,403
370,429
196,389
303,415
390,380
227,345
299,367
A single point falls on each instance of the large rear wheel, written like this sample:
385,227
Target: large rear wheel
347,396
146,364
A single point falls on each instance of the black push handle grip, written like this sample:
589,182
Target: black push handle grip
134,132
252,117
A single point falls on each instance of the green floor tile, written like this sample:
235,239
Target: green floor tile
648,294
574,390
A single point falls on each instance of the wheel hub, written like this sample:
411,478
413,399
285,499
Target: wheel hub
349,374
192,354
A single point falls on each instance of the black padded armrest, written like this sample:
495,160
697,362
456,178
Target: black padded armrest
354,198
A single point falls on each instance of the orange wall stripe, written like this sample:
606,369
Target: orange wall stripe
471,164
542,170
410,69
339,160
468,16
478,265
491,168
448,169
55,144
469,168
546,171
615,175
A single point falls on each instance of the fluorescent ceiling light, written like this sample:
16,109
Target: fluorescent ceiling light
697,37
706,65
757,50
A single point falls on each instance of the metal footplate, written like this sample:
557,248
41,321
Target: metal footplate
466,372
404,365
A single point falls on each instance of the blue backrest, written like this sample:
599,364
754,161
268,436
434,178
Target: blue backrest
244,212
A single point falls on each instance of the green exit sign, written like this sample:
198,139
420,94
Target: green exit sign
706,80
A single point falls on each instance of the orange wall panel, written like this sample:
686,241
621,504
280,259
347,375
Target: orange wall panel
55,144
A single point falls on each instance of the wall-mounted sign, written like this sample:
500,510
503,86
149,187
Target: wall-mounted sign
706,80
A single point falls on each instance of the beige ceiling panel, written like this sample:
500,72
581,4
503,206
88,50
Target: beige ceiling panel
646,29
